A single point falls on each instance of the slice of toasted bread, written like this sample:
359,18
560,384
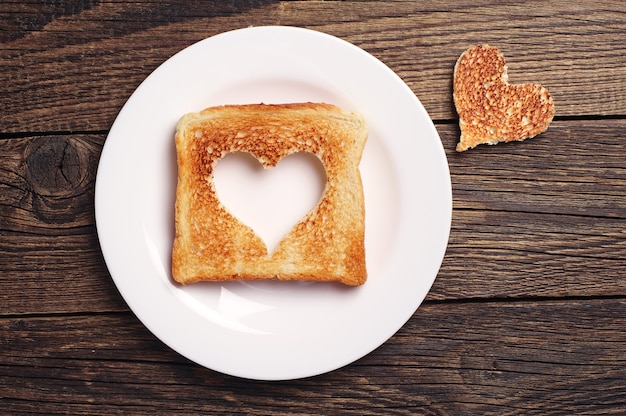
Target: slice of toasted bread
326,245
490,109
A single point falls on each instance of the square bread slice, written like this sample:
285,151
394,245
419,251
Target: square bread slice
326,245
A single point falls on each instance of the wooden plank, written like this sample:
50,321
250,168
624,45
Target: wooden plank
543,217
495,254
574,168
555,357
98,55
509,237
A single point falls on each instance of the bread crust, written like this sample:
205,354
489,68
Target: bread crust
326,245
490,109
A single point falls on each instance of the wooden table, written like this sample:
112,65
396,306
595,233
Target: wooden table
528,312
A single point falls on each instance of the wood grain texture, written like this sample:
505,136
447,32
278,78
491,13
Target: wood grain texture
558,203
470,358
530,219
528,311
577,167
73,69
49,251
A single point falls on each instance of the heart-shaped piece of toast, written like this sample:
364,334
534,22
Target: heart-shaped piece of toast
490,109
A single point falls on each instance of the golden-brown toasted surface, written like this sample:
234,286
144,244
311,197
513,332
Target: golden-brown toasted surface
490,109
326,245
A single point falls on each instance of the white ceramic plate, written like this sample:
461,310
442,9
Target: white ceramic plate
275,330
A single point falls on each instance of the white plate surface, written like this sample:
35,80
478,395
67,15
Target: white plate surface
275,330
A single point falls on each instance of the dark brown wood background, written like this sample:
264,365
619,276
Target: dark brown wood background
528,312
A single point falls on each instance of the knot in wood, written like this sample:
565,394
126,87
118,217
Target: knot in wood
54,166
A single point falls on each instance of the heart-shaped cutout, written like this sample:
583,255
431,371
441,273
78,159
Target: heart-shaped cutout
490,109
269,200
